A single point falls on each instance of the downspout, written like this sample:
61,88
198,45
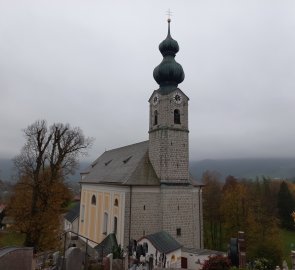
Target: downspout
80,207
130,202
200,221
129,246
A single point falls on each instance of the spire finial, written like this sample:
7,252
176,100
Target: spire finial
169,14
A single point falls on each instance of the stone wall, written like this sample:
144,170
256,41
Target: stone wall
168,142
181,212
146,214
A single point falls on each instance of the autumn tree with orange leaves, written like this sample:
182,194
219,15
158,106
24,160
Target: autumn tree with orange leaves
49,155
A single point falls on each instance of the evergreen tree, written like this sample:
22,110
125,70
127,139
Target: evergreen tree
286,205
212,215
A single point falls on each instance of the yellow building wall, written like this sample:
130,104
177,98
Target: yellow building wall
92,227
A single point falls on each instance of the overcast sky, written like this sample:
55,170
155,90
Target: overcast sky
90,64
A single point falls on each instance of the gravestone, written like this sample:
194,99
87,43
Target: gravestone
73,259
55,257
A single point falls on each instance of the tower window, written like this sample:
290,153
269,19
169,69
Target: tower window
178,231
176,116
93,200
155,117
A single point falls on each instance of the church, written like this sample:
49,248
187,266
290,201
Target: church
145,188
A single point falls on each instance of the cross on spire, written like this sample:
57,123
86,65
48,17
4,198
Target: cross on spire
169,14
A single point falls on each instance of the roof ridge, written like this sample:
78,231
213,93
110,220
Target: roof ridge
125,146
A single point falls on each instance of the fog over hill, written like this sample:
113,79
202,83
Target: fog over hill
247,167
241,168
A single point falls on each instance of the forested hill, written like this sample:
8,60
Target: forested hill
246,168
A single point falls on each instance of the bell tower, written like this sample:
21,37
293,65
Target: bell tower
180,198
168,124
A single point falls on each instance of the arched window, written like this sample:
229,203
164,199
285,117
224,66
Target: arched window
93,200
176,116
116,203
155,117
105,223
115,225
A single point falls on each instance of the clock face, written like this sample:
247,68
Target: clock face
177,98
155,99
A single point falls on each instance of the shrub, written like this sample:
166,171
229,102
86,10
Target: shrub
217,263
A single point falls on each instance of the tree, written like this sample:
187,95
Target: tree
212,215
233,206
286,205
47,158
261,226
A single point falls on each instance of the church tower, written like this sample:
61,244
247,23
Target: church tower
169,151
168,125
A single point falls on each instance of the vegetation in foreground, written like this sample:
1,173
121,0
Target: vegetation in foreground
49,155
261,208
11,239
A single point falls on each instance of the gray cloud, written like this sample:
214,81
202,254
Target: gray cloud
90,63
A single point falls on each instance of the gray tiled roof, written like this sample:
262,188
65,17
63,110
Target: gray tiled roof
107,245
128,165
73,213
163,242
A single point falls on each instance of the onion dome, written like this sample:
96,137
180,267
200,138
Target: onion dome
169,73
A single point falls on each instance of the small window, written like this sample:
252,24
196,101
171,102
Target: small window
144,207
145,247
115,225
116,203
178,231
127,159
156,118
108,162
176,116
105,223
93,200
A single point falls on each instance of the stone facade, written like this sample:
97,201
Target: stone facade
168,141
181,218
167,208
146,214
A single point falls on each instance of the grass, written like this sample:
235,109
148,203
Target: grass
288,240
11,239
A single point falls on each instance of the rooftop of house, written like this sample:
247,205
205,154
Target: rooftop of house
163,242
73,213
107,245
